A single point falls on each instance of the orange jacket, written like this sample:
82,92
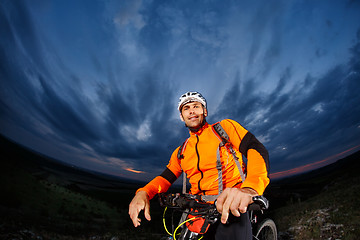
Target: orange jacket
199,162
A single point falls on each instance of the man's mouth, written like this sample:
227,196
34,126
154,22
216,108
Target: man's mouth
193,117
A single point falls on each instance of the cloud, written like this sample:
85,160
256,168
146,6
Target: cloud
129,14
134,171
300,124
37,98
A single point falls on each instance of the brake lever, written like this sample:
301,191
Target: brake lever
259,203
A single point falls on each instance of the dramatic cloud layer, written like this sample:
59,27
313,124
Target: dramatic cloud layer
95,83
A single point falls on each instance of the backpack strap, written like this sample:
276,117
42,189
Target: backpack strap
181,156
219,168
225,140
181,150
221,132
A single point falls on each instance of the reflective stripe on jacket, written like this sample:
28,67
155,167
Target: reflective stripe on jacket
199,162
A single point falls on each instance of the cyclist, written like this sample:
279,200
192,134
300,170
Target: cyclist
198,160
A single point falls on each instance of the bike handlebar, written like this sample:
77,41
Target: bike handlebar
188,201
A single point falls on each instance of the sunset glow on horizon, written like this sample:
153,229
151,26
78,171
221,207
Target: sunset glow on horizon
313,166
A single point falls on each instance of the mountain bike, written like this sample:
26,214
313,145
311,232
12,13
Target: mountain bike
195,211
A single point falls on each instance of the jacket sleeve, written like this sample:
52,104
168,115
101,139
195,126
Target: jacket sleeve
257,156
162,182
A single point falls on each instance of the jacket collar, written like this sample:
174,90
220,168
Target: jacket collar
200,130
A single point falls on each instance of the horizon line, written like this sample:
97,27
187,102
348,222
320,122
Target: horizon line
312,166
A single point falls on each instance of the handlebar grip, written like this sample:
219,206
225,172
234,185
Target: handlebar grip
260,203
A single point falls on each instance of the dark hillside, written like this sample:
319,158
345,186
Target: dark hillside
36,162
321,204
94,184
45,199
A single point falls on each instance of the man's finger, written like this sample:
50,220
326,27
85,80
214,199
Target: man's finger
134,217
224,217
221,200
147,212
136,221
225,210
243,206
234,207
219,204
134,211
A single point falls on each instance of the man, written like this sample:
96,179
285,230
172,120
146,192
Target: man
198,160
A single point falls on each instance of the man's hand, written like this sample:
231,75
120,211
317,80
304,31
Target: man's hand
138,203
235,200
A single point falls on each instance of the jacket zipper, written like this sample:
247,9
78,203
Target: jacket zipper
198,163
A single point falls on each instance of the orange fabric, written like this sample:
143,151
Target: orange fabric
199,163
198,224
157,185
256,172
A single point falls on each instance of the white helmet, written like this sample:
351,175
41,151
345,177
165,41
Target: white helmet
191,97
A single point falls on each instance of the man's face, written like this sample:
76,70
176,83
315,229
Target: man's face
193,114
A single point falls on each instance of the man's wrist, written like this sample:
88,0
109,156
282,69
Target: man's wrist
249,191
142,192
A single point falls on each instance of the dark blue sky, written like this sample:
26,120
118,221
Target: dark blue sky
95,83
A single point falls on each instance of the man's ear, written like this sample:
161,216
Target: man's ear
205,112
181,117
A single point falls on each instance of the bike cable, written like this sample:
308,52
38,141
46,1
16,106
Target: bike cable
177,228
188,220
